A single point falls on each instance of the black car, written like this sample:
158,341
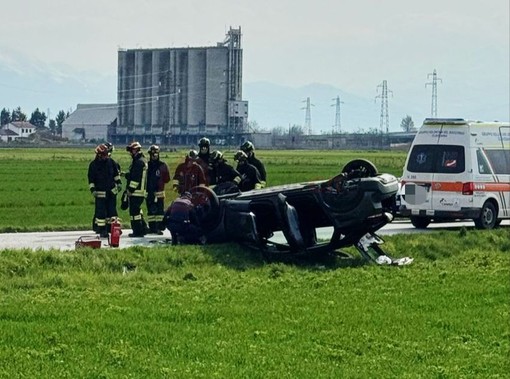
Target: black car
356,203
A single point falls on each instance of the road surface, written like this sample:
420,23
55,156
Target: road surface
67,240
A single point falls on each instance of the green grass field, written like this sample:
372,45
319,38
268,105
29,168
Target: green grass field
45,189
223,311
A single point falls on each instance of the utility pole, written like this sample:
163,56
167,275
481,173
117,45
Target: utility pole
385,116
337,127
435,79
308,116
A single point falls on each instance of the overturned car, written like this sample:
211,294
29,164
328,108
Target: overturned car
356,203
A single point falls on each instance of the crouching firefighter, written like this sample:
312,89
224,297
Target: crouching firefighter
136,183
157,176
104,184
181,221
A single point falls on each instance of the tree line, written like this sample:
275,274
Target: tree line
37,118
407,125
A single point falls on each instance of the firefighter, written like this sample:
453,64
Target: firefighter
111,149
204,145
136,181
181,221
157,176
104,184
249,149
189,174
227,178
250,177
204,156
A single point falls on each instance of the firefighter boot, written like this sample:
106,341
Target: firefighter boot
138,229
154,228
103,232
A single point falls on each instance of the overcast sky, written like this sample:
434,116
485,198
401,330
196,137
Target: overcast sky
353,45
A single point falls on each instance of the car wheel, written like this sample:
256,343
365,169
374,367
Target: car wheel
420,222
488,217
207,206
360,168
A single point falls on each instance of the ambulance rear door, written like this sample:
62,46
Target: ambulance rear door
436,166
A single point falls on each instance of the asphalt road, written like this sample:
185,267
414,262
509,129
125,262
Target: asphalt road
67,240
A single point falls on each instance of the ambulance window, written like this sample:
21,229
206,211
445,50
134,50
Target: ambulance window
448,159
500,161
483,165
421,158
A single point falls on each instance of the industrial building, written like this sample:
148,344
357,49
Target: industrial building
90,122
174,96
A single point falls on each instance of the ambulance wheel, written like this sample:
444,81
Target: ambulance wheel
420,222
488,217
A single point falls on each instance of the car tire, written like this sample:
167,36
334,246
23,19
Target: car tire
360,168
420,222
488,217
209,205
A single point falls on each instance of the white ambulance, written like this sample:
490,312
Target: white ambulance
458,169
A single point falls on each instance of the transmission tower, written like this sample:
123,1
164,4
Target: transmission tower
385,116
308,116
435,79
337,127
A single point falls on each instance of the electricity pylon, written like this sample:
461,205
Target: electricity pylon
337,127
308,116
385,116
435,79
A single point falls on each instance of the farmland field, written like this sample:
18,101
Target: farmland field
226,312
47,189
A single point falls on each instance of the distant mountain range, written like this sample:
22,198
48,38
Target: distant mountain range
30,84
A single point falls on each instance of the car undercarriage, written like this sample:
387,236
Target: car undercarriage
356,203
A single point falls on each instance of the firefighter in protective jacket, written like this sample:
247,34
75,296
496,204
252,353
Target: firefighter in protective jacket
157,176
135,187
250,176
189,174
104,184
249,149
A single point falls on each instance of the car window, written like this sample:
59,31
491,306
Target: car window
483,165
500,160
437,159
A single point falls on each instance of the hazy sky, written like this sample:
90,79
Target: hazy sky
352,45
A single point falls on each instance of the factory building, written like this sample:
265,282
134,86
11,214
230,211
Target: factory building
174,96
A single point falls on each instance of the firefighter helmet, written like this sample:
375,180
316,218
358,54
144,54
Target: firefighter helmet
247,147
204,142
193,154
154,149
216,156
110,147
134,146
240,156
101,150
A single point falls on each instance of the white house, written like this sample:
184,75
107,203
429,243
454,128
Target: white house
15,130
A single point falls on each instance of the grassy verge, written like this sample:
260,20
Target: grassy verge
222,311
